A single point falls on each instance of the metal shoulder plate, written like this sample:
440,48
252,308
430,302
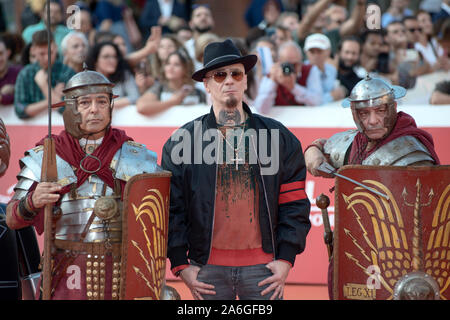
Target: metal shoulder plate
31,166
337,145
402,151
132,159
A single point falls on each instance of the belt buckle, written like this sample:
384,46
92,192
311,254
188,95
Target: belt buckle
105,208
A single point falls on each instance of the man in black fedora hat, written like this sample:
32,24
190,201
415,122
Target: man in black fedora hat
239,213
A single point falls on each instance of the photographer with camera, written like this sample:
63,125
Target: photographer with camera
289,82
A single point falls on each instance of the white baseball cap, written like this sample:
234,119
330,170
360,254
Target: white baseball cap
317,40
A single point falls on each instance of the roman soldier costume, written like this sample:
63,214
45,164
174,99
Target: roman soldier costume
404,144
88,240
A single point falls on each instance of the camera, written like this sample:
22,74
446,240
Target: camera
287,68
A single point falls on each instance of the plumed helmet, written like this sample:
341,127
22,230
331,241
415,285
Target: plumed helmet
82,83
5,149
371,92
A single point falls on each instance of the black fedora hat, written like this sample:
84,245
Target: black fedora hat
220,54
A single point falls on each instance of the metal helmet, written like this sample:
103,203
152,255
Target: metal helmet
82,83
371,92
374,92
86,82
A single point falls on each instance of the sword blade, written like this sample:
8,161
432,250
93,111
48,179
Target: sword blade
328,168
362,185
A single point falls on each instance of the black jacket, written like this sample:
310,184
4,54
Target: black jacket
284,226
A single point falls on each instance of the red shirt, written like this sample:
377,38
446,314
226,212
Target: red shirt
9,78
236,237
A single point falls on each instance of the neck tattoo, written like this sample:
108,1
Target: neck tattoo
229,118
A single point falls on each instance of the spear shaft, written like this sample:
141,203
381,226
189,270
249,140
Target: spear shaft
48,174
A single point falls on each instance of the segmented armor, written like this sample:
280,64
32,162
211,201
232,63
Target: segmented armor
403,151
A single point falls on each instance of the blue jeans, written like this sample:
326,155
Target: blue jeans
230,282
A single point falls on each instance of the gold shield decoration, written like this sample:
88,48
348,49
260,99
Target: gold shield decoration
395,248
144,238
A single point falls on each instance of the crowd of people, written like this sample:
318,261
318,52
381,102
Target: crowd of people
310,52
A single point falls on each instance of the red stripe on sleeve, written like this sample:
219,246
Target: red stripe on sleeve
292,185
179,269
291,196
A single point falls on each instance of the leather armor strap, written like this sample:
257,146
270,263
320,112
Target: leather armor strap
95,248
86,228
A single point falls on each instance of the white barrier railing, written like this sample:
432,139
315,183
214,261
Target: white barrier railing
330,116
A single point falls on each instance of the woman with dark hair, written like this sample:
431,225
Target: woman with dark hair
428,44
175,87
106,58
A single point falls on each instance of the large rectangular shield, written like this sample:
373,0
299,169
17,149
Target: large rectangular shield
397,248
144,237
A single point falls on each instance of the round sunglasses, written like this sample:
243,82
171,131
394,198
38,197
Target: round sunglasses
220,76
